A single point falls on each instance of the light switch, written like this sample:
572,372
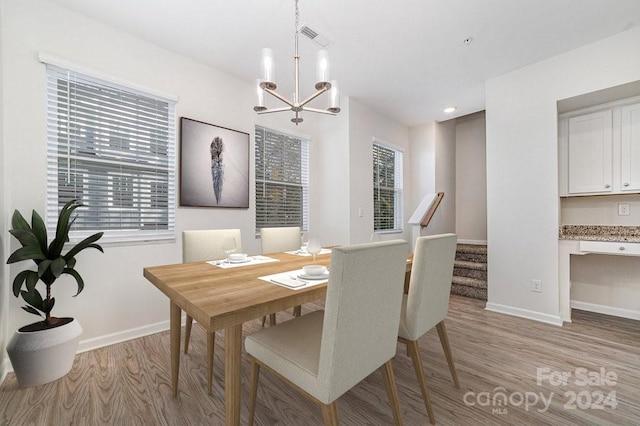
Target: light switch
623,209
360,212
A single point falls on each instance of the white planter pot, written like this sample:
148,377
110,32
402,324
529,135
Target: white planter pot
40,357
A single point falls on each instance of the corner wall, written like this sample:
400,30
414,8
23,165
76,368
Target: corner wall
471,178
522,167
4,274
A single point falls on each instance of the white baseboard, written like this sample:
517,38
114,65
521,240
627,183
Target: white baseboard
107,340
524,313
475,242
607,310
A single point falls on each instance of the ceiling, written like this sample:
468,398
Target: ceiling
405,58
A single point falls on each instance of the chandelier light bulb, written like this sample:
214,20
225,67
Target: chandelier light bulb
267,69
322,69
259,97
334,98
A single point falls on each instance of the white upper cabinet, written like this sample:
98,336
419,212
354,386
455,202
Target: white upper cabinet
630,148
599,150
590,153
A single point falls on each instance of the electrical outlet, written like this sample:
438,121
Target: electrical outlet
536,285
623,209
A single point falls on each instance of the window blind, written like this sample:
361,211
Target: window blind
113,149
387,188
282,179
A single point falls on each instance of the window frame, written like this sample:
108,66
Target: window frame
153,197
398,188
261,183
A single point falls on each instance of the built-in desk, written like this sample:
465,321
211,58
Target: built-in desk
590,239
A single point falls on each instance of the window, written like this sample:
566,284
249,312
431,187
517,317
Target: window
282,179
387,188
113,149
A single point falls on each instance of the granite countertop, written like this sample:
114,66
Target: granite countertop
600,233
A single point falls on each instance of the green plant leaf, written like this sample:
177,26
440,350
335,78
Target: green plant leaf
33,298
26,253
62,230
57,266
18,222
47,305
32,281
32,311
39,230
78,278
26,237
43,266
71,263
87,242
31,277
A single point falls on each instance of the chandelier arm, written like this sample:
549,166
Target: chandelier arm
279,96
315,95
272,110
321,111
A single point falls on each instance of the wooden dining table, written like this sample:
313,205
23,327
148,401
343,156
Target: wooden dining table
223,299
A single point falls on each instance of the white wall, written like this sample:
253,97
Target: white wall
471,178
433,168
334,193
4,273
600,210
445,219
365,125
522,176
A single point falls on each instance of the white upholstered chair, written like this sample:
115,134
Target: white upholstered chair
277,240
325,353
203,245
427,303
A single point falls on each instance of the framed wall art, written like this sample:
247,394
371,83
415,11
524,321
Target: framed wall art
214,165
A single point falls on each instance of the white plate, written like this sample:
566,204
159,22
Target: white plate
248,259
314,277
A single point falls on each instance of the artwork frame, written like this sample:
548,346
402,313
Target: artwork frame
214,165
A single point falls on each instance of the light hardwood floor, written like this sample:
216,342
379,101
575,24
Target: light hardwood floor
129,383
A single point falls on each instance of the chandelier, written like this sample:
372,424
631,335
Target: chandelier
323,84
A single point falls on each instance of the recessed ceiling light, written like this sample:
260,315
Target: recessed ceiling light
449,110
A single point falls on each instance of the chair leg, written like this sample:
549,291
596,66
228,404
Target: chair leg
211,341
444,341
297,311
330,414
412,348
264,320
253,389
392,392
272,319
187,333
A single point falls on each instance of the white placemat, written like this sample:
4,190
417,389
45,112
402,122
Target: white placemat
252,260
291,281
306,253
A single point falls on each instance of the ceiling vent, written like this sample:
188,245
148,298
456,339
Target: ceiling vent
318,39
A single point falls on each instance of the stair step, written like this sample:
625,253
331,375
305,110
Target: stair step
478,274
473,292
472,248
466,264
469,282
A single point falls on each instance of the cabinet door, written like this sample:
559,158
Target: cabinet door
590,153
630,148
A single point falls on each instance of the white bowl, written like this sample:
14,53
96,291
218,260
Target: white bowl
237,257
314,269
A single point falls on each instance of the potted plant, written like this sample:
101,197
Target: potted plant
44,351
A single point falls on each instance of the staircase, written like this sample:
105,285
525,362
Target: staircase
470,271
